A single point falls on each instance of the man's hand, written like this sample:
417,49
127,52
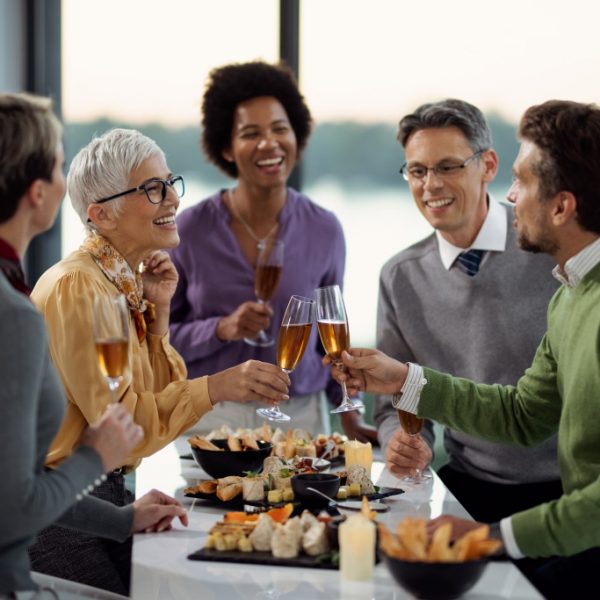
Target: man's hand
245,321
252,380
155,511
356,429
113,436
459,526
367,370
404,454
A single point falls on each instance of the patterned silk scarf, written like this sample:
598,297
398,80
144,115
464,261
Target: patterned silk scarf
119,273
10,265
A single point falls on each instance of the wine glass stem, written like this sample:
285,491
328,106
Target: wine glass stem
346,398
113,386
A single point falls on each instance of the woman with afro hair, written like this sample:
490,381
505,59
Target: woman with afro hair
255,125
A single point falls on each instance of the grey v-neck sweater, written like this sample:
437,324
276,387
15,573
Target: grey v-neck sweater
485,328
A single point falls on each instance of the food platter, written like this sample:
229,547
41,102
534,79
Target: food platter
238,502
265,558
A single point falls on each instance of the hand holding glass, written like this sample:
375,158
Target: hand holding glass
332,323
412,425
291,342
269,265
111,335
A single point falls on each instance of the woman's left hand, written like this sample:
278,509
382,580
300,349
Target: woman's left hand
160,278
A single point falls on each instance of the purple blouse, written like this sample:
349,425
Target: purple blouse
215,277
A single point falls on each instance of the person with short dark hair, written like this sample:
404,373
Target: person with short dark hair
434,311
556,211
255,125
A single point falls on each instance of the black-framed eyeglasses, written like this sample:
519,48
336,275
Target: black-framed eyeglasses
155,189
446,168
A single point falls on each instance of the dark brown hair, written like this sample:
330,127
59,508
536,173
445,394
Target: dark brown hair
568,136
29,137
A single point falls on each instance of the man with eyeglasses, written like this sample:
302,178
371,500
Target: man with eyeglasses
464,300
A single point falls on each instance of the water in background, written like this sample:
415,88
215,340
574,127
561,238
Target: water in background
377,224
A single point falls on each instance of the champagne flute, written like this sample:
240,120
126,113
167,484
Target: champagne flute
111,335
269,265
292,339
332,323
413,426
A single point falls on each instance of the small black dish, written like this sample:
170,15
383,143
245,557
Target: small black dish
435,581
327,483
220,464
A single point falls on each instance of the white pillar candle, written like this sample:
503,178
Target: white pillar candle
357,548
357,453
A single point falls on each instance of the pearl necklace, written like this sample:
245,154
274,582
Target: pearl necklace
249,229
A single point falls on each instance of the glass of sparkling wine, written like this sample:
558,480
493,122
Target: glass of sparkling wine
269,265
294,333
111,335
332,323
413,426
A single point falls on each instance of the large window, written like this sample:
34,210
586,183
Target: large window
366,64
363,65
143,64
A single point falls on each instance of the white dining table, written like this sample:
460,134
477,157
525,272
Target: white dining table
162,571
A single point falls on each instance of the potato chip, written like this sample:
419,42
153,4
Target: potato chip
203,444
390,544
413,536
465,548
439,548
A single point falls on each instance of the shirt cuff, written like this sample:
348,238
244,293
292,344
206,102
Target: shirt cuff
410,394
508,537
156,343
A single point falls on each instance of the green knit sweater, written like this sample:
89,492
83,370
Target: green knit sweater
560,391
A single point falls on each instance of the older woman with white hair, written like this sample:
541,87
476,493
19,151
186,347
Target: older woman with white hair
125,194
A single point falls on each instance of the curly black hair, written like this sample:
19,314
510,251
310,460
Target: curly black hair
231,84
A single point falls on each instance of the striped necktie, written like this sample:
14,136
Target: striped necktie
469,261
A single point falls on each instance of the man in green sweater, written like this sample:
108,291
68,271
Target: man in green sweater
557,211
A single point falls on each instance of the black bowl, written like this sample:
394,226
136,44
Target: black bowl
435,581
228,462
328,483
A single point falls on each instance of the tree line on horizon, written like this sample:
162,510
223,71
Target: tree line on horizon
354,154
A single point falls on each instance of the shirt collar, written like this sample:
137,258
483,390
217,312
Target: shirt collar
578,266
8,252
491,236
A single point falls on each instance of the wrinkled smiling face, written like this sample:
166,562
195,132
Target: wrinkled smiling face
144,225
453,204
532,219
263,142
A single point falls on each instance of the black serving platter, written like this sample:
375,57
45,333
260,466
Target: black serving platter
238,502
262,558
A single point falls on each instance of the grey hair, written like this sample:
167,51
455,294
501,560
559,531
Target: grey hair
448,113
103,167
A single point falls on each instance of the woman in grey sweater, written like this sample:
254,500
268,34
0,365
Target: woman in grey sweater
31,398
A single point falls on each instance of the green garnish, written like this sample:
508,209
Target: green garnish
329,557
285,472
